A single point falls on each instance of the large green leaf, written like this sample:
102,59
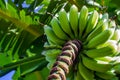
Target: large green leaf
21,36
4,59
34,75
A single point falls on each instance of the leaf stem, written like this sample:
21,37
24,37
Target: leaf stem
23,61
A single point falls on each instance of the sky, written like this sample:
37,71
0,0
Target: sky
7,76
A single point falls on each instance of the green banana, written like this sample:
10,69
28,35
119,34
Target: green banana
116,35
100,39
96,65
83,20
92,21
106,75
73,18
113,60
58,30
52,37
117,68
107,43
108,50
106,59
78,76
65,23
85,72
101,26
114,78
116,46
50,42
118,49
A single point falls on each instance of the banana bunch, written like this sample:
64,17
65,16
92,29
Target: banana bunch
84,43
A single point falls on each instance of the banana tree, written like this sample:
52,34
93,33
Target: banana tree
60,39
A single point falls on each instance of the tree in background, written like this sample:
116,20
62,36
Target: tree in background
23,38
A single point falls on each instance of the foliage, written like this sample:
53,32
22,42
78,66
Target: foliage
22,36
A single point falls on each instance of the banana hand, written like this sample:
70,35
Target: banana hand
52,37
101,26
100,39
96,65
63,18
108,50
58,30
